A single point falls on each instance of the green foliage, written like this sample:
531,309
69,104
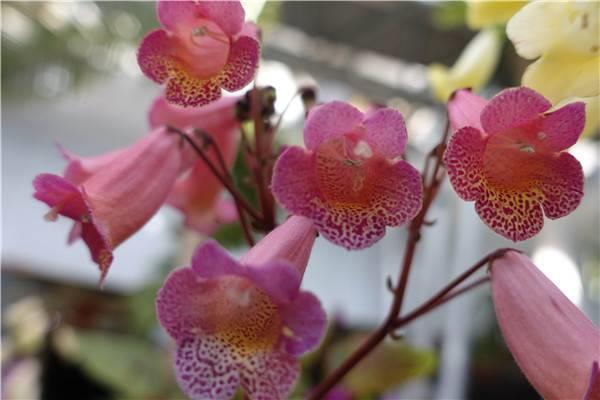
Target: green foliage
449,15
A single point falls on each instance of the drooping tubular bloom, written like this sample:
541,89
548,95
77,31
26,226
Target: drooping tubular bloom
508,156
556,346
350,180
111,197
203,47
243,323
198,193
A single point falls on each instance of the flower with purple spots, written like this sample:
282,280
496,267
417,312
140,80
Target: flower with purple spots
243,324
508,156
203,47
350,180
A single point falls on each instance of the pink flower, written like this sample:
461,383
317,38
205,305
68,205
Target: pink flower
350,180
204,46
111,197
554,343
198,193
507,156
243,323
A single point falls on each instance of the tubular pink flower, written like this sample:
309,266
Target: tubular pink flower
203,47
508,156
350,180
243,323
198,193
556,346
111,197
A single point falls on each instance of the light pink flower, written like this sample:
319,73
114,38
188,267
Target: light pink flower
508,156
111,197
556,346
198,194
243,323
350,180
203,47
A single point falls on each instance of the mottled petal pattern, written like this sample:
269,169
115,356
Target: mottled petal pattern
329,121
386,132
241,65
463,159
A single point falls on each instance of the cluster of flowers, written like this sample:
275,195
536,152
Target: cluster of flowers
245,323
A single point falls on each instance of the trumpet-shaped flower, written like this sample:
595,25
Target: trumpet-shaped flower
111,197
507,156
350,180
473,69
564,39
203,47
243,323
556,346
197,194
485,13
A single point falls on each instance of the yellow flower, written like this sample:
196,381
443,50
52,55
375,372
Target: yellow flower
473,68
483,13
564,38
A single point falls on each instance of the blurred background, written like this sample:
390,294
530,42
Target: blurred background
70,76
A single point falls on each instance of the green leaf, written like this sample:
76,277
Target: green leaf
388,366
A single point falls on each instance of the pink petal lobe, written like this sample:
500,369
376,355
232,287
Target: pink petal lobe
552,341
560,129
294,182
187,90
272,377
210,260
561,182
291,241
79,169
173,15
305,321
515,214
229,15
155,55
278,279
329,121
241,65
464,159
464,109
204,368
512,108
386,132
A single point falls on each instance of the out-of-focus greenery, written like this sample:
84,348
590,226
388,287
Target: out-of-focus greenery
449,14
51,47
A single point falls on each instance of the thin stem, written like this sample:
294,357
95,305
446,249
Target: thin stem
224,181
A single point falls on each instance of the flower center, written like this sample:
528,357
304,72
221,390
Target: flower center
343,166
205,48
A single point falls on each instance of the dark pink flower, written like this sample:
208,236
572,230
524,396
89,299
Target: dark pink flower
243,323
554,343
198,194
203,47
111,197
508,156
350,179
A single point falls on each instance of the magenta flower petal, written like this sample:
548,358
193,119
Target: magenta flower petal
116,201
232,320
305,321
464,109
560,129
155,55
241,65
552,341
386,132
81,168
350,181
516,170
512,108
329,121
174,14
593,391
463,161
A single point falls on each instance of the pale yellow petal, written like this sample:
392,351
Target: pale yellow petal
565,27
473,69
482,13
592,112
557,76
